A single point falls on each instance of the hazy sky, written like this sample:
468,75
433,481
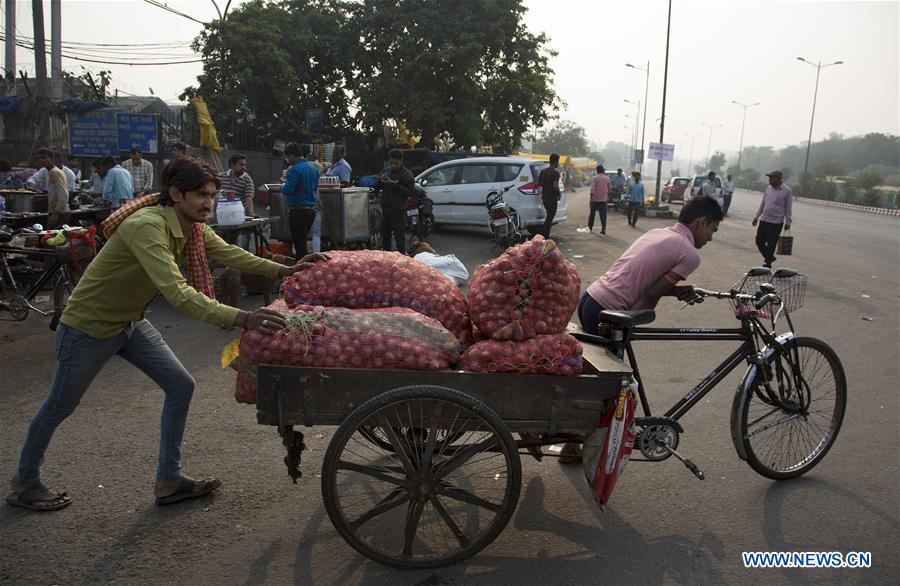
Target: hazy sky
720,51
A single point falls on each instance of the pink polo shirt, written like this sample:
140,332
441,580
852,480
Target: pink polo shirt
645,262
600,186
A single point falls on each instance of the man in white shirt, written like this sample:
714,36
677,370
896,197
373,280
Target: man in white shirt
727,192
40,180
141,172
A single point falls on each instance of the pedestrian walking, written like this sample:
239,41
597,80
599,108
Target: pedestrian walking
600,188
727,192
635,198
300,189
148,239
548,180
396,184
774,213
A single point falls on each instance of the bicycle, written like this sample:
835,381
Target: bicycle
790,403
19,304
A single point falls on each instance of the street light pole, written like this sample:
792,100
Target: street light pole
662,121
709,144
743,121
691,160
646,95
637,121
819,67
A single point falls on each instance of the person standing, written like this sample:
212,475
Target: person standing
774,213
117,185
236,180
300,189
396,184
57,199
709,187
340,167
635,198
727,192
40,180
600,187
548,181
141,172
104,317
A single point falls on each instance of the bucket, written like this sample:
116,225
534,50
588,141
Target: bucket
229,212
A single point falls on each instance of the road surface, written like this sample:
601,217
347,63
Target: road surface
662,525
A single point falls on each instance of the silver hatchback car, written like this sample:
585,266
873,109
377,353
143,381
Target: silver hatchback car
460,188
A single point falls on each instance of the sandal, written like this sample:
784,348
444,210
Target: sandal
189,488
38,497
570,454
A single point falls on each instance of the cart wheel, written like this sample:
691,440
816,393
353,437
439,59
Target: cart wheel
427,501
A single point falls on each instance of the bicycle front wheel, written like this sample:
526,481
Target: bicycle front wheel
787,428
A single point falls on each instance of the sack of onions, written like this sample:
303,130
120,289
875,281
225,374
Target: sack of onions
531,289
369,279
391,338
558,354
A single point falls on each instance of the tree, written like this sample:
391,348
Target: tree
830,169
615,155
479,75
733,170
717,161
786,173
87,85
565,138
749,177
269,62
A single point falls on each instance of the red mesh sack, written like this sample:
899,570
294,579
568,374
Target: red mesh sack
531,289
558,354
366,279
394,338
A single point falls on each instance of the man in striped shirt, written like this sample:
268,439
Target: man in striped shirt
238,181
141,172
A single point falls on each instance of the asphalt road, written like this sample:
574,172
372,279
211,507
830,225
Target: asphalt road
662,525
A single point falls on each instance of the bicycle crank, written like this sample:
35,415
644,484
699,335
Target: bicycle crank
658,439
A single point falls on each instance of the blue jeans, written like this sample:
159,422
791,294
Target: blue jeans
80,358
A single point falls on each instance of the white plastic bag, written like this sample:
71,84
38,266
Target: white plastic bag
448,265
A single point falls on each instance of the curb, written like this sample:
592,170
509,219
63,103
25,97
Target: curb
851,206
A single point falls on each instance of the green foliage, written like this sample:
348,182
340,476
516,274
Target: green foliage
829,169
268,62
733,170
749,178
716,162
565,138
854,154
470,69
88,86
787,173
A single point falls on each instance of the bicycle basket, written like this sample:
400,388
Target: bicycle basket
76,254
791,290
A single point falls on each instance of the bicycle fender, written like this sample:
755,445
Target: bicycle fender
745,387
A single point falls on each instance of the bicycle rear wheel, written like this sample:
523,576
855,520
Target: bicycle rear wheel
787,431
61,292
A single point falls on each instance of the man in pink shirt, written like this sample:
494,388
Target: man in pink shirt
600,186
653,265
774,213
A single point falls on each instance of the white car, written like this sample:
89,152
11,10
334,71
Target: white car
697,183
459,190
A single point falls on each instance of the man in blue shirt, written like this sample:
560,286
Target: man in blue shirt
635,198
340,167
117,185
300,190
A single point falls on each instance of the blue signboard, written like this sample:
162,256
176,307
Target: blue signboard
110,132
138,130
93,134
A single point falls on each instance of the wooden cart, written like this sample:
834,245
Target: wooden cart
423,469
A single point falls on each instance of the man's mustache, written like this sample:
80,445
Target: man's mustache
207,210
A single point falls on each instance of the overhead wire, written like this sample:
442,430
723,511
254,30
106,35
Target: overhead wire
91,59
172,10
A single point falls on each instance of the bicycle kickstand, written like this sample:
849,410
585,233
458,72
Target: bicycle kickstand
687,463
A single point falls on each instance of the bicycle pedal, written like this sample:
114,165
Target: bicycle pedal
695,470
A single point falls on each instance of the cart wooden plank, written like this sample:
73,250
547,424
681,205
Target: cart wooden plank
289,395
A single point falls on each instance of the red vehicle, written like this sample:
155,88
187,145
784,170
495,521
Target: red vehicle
674,189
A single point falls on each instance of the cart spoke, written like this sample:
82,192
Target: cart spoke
460,536
467,497
413,514
433,416
398,446
390,502
464,455
373,472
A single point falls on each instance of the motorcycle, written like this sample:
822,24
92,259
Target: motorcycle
419,214
503,221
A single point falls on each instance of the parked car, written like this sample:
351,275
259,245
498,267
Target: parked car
698,181
459,190
675,188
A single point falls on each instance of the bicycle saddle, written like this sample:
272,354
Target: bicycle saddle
785,273
628,319
5,237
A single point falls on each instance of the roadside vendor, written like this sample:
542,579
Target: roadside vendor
148,239
40,180
117,185
340,167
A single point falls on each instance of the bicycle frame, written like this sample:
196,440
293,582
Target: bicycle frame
748,351
38,285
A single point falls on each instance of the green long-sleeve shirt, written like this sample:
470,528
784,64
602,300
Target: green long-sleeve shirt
141,259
